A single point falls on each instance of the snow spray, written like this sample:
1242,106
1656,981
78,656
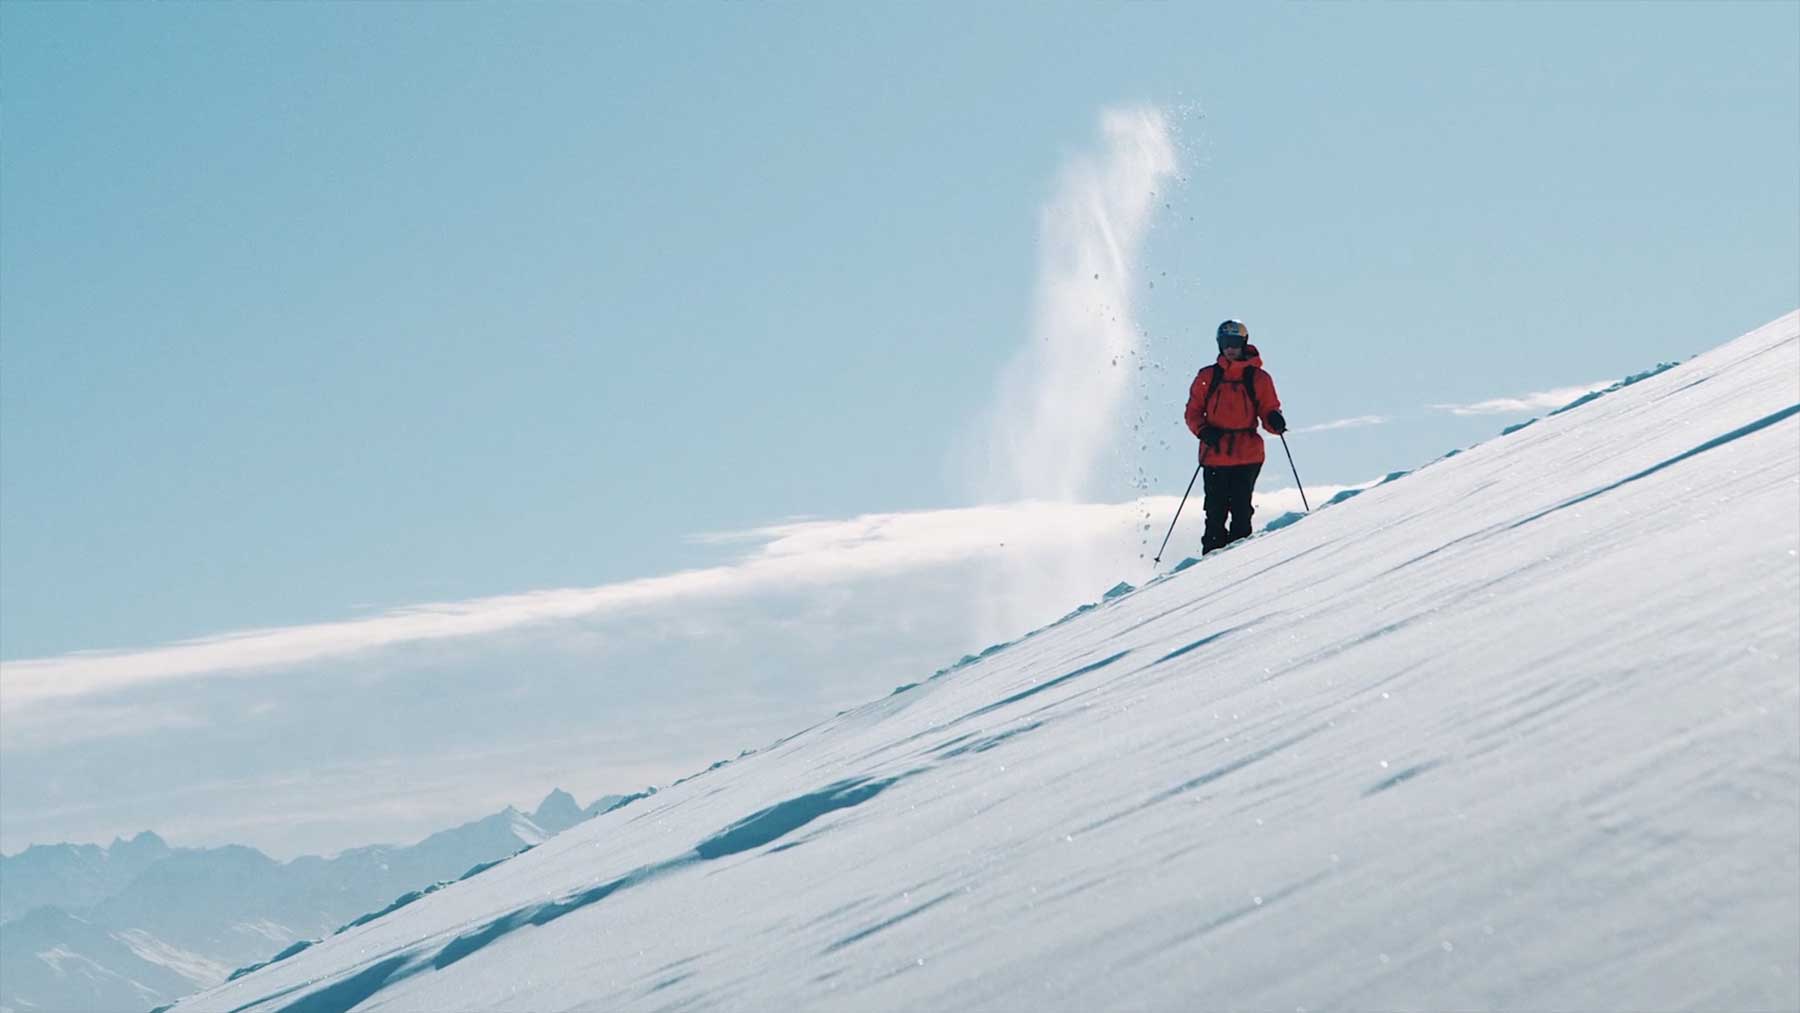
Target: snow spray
1054,419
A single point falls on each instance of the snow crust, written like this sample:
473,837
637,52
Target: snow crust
1518,730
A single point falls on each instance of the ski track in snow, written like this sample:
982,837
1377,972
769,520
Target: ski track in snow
1521,730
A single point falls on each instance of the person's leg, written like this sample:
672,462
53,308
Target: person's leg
1216,504
1243,485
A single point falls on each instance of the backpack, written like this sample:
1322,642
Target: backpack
1248,380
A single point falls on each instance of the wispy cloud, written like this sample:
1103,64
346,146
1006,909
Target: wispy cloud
798,552
1352,423
1544,400
100,719
788,556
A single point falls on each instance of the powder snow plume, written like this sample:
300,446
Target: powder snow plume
1059,397
1057,411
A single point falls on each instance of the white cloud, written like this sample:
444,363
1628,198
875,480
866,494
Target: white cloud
99,720
804,552
1352,423
791,555
1545,400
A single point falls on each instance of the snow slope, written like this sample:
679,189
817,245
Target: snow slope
1521,730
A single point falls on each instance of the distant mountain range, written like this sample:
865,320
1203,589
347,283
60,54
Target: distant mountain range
138,924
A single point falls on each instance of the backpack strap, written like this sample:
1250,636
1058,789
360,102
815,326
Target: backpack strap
1250,391
1212,387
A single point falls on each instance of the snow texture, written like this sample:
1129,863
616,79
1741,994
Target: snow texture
1519,730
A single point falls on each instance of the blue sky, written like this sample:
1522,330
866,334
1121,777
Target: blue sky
314,312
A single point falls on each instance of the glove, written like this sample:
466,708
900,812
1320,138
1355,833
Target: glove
1277,424
1211,435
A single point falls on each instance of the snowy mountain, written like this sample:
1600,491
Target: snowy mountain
55,960
558,812
74,876
139,924
1520,730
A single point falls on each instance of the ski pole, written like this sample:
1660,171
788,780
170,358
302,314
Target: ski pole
1296,472
1184,499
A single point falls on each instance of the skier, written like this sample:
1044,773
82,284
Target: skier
1225,402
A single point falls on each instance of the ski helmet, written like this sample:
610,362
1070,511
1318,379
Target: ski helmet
1233,332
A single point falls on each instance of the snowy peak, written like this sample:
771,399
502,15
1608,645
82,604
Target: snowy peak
74,876
557,812
143,841
507,828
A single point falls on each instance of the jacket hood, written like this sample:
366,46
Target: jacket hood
1233,368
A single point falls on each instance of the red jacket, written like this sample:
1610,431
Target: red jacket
1228,408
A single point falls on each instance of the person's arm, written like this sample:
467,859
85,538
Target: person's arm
1196,406
1270,403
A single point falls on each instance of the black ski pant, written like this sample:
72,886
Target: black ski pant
1228,492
